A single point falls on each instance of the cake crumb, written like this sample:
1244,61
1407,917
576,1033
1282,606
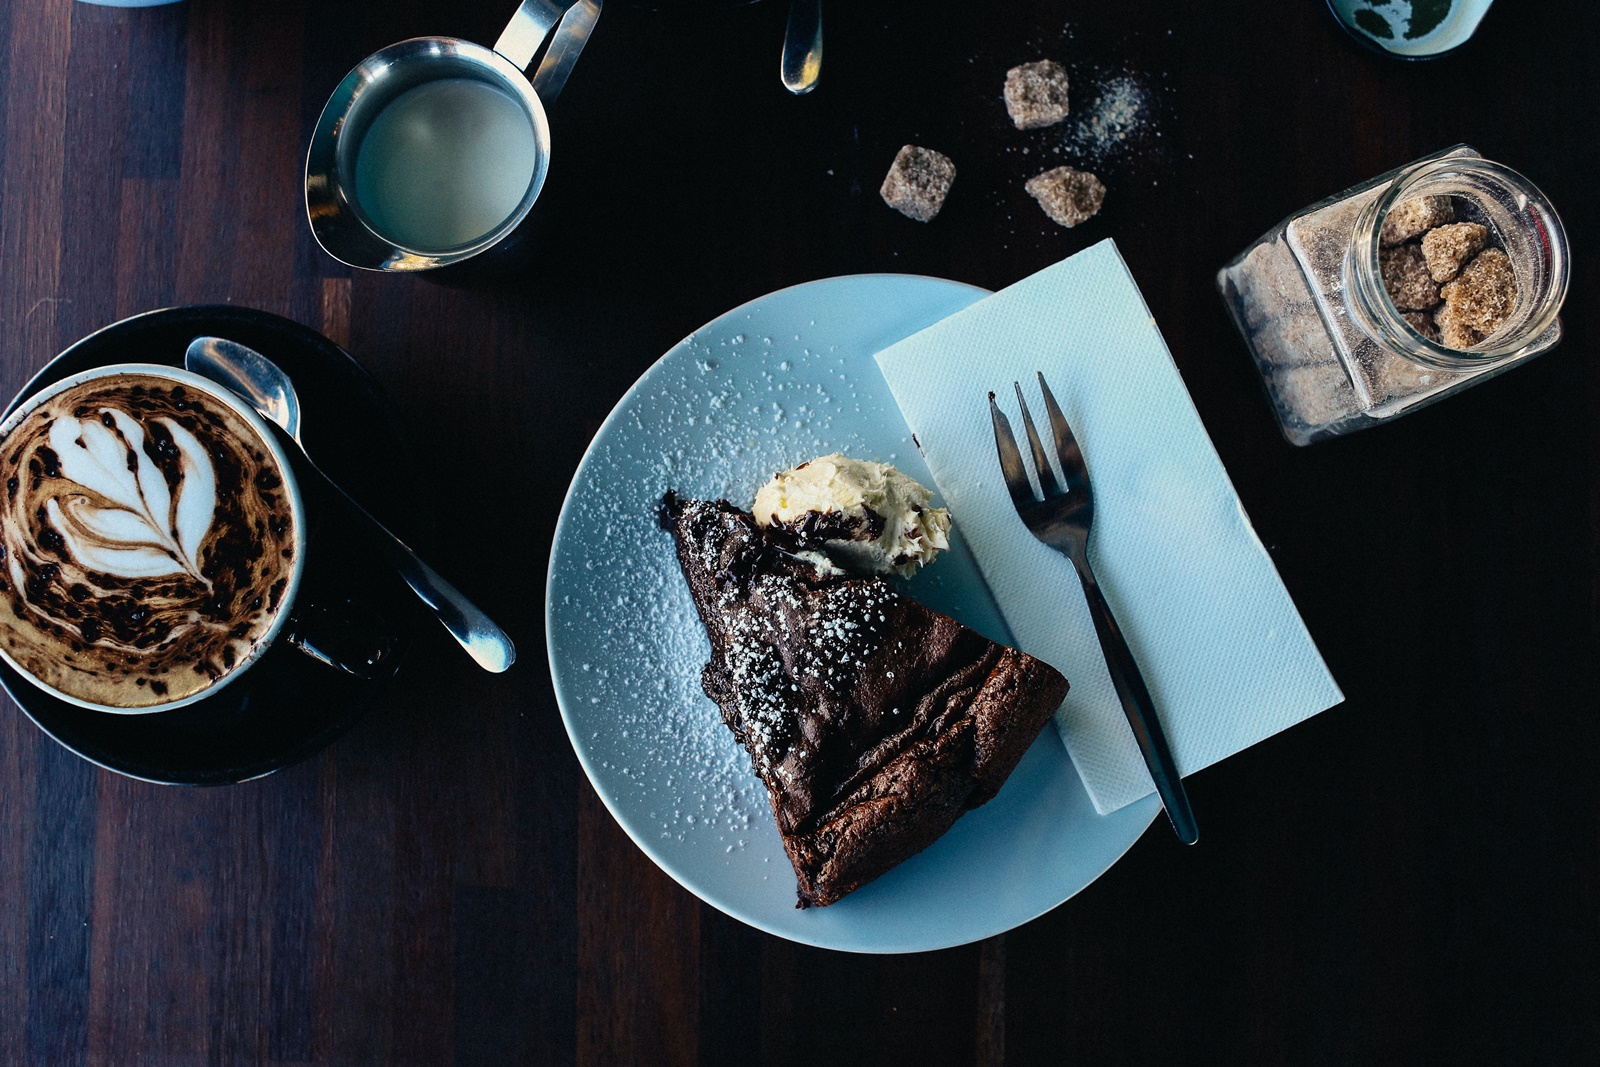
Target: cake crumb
1405,221
1036,94
917,182
1067,195
1406,277
1448,247
1484,295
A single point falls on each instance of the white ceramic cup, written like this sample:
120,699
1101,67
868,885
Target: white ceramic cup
291,490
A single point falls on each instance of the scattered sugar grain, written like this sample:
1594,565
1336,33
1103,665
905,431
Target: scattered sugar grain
1119,114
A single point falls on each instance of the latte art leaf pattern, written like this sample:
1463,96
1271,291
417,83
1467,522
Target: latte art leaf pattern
147,541
126,521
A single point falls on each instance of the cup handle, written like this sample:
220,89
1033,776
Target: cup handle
345,636
566,24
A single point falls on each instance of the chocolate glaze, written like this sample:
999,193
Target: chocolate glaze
141,641
873,721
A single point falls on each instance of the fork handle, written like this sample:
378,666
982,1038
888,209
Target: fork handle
1140,709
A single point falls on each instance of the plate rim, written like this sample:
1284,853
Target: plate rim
568,724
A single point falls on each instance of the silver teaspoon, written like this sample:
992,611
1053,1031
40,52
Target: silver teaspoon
265,387
802,46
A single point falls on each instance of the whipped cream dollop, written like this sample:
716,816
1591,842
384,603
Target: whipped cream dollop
867,517
146,541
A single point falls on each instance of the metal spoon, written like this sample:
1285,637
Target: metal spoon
265,387
802,46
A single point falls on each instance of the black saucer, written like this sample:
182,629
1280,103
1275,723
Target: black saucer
287,706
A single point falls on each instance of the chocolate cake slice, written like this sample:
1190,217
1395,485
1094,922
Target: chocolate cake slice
873,721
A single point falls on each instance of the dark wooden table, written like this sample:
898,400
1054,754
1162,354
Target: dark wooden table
1411,877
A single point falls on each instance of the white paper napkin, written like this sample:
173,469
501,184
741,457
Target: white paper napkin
1222,648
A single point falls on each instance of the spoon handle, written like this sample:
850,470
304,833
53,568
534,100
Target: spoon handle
484,641
802,47
263,385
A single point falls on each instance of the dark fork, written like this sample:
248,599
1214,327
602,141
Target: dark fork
1061,520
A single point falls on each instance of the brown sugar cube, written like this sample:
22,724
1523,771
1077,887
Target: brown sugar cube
1295,339
1453,332
1036,94
1447,247
1268,284
1406,277
1068,196
1423,323
1317,394
1484,295
917,182
1397,376
1405,221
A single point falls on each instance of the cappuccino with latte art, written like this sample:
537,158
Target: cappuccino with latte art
150,539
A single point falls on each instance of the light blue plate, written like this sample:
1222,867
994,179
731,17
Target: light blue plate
768,385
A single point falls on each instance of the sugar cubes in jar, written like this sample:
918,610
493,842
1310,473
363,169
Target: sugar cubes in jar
1398,292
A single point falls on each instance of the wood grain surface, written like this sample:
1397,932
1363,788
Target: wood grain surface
1409,878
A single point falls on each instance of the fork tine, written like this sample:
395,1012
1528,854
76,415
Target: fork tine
1041,462
1073,470
1011,467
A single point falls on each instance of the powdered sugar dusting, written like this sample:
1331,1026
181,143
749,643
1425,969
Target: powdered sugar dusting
760,390
718,421
783,643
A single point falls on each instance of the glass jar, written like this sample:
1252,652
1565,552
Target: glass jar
1334,351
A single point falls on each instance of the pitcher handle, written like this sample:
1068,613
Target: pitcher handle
568,41
565,24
